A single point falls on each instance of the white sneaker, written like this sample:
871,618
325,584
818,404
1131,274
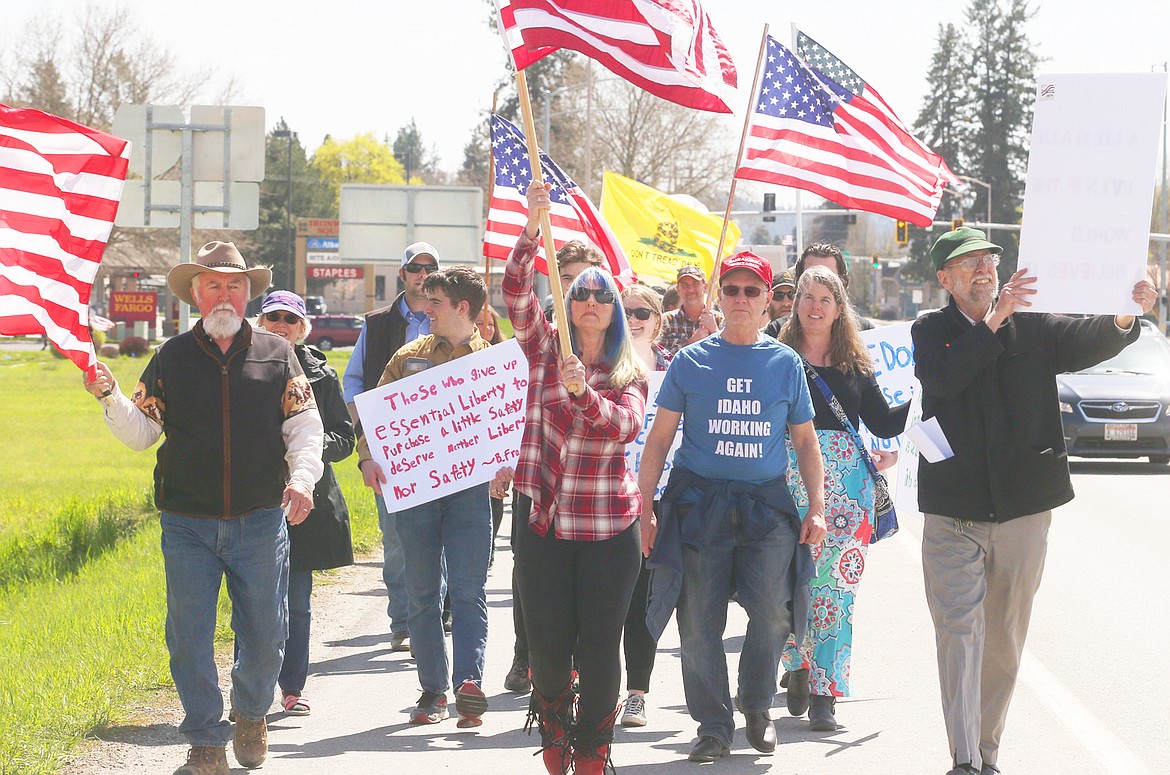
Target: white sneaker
635,711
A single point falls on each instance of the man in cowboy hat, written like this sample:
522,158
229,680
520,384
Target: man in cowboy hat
237,413
989,378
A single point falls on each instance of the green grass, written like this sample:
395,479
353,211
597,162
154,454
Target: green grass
82,590
57,446
78,654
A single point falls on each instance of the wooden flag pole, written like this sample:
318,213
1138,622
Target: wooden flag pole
487,260
738,160
560,314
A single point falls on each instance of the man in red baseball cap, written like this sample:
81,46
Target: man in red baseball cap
727,512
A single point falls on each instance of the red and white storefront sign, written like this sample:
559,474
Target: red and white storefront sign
334,272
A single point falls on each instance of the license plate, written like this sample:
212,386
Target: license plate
1117,432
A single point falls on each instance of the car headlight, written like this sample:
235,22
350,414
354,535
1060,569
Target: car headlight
1065,408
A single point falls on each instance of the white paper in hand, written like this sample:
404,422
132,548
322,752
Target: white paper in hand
932,443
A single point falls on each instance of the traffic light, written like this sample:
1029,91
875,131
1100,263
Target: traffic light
877,263
956,223
902,234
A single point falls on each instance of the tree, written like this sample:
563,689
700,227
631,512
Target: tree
419,164
476,168
946,123
1003,80
311,198
664,145
361,159
978,114
84,70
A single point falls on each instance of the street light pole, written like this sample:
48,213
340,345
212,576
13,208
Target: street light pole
979,182
1164,307
289,247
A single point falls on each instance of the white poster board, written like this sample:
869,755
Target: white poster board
635,448
893,368
1090,190
447,428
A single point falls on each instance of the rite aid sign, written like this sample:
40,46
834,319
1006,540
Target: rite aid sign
334,272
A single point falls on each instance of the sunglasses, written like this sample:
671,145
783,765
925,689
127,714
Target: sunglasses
287,317
971,263
790,295
601,295
641,314
413,268
751,291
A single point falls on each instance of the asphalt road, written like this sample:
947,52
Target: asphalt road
1094,695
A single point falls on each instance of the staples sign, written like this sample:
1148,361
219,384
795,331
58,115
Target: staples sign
334,272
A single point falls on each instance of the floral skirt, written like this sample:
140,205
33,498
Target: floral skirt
840,560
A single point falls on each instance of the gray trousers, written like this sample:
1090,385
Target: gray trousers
981,578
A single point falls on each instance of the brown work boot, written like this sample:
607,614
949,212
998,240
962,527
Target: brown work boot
205,760
250,742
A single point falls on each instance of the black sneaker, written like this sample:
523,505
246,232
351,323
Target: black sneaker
431,708
517,680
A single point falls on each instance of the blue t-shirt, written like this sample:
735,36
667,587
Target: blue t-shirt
737,401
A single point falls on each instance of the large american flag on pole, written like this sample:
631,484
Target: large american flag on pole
667,47
573,215
60,184
811,132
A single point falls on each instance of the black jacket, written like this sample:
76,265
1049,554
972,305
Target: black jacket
385,332
323,539
995,398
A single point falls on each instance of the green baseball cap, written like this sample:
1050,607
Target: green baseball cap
955,243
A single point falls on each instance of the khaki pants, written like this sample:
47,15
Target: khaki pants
981,578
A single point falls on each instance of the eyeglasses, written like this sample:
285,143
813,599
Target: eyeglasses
641,314
414,268
790,295
751,291
971,263
287,317
602,295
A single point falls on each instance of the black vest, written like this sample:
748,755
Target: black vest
223,455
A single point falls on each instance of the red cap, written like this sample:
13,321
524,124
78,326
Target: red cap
749,261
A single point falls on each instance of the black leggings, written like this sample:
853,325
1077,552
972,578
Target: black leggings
576,595
639,646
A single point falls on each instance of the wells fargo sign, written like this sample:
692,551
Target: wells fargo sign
133,305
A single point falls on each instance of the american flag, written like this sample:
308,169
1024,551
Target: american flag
832,68
667,47
573,215
60,184
521,56
812,132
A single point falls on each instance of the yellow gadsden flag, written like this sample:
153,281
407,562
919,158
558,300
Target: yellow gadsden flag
659,233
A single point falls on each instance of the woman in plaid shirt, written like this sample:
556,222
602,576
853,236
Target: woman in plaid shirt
577,563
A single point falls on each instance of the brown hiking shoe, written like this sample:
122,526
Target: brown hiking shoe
250,742
205,760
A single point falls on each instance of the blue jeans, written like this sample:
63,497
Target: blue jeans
198,552
460,527
393,568
760,572
295,669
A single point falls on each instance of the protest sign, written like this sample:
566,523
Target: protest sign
447,428
893,368
1090,190
635,448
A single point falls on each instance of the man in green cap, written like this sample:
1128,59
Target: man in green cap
988,371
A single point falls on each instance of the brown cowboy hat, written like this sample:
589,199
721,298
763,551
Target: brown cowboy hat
221,257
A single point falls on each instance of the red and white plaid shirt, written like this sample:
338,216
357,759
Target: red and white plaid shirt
572,458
